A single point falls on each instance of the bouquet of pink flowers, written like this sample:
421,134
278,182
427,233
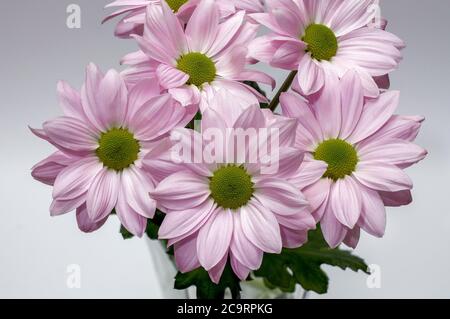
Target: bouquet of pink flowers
184,146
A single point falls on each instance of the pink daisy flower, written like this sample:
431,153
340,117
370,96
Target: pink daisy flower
193,64
101,140
356,151
231,210
326,36
134,11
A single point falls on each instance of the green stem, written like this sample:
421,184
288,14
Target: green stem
286,85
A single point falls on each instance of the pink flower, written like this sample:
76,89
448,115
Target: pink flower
231,209
356,153
101,140
317,37
193,64
134,11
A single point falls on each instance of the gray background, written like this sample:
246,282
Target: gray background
37,50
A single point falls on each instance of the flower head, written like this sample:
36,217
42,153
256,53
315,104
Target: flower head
102,138
194,63
357,151
327,36
230,208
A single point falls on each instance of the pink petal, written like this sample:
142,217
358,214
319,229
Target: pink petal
136,187
239,269
311,76
85,224
215,273
373,217
261,227
202,28
214,238
396,199
352,237
69,133
376,113
182,190
76,179
186,254
129,218
352,101
333,231
47,170
102,195
382,176
182,222
346,201
242,249
170,77
280,197
293,238
310,172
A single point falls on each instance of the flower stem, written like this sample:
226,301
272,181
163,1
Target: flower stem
286,85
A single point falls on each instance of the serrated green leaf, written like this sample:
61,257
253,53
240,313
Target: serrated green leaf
206,289
303,265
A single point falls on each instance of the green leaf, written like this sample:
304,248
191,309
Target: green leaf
125,233
303,265
206,289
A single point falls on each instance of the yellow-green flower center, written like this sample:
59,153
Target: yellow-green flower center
118,149
198,66
340,156
322,42
231,187
175,5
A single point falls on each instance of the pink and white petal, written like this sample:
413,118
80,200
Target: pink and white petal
241,248
141,93
326,104
231,64
309,132
186,95
350,15
396,199
398,127
346,201
333,231
310,172
293,238
136,186
383,82
216,272
129,218
182,190
373,217
70,101
382,177
352,101
280,197
48,169
103,193
164,34
311,77
201,30
156,118
352,237
251,118
261,227
181,222
317,195
238,268
185,252
60,207
375,114
76,179
289,55
85,224
71,134
170,77
227,31
213,241
396,152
